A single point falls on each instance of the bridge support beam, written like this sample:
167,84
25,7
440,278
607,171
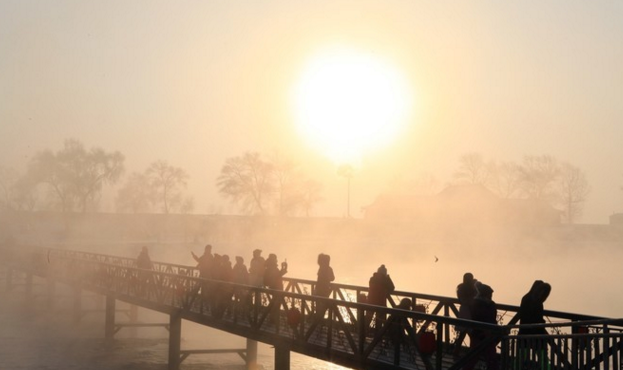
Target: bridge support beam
110,317
175,340
251,354
9,279
133,319
77,303
51,292
28,303
282,357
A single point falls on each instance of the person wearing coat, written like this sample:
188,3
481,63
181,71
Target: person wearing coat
380,287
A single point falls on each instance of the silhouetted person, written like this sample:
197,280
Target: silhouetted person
241,276
273,279
323,282
380,287
531,312
273,276
205,264
224,292
399,326
531,308
293,317
217,267
143,261
465,292
483,309
257,268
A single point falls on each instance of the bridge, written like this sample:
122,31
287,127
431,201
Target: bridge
338,329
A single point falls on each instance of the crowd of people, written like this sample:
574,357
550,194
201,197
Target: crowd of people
475,298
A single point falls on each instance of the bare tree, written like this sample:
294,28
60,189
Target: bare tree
187,206
262,186
8,179
167,182
311,194
25,195
573,190
538,176
505,179
472,169
74,175
248,181
137,195
47,169
293,190
91,170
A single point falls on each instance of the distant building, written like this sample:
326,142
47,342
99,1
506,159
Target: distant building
463,204
616,220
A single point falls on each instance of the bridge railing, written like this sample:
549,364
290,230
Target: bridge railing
339,329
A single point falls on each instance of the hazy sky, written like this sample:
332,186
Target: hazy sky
196,82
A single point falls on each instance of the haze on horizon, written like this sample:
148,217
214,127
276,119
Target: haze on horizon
197,83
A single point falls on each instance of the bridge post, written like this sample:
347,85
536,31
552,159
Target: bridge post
133,319
51,292
28,297
251,354
110,317
9,279
175,340
28,285
77,303
282,357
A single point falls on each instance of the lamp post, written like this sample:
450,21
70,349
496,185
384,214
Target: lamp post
346,170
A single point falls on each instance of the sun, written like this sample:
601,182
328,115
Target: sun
350,103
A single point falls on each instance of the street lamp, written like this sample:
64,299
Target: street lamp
346,170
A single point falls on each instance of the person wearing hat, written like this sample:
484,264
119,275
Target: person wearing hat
257,268
380,287
483,309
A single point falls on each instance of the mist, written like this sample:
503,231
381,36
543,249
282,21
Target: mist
199,86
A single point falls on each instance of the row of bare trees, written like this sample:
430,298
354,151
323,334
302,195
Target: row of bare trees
561,184
161,185
273,185
72,178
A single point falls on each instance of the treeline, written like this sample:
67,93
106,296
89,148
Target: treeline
560,184
72,178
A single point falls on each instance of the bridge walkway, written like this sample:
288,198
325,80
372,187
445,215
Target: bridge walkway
348,333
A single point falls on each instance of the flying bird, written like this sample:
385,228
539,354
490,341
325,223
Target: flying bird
436,259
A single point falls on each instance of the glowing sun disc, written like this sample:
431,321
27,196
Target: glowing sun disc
349,103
